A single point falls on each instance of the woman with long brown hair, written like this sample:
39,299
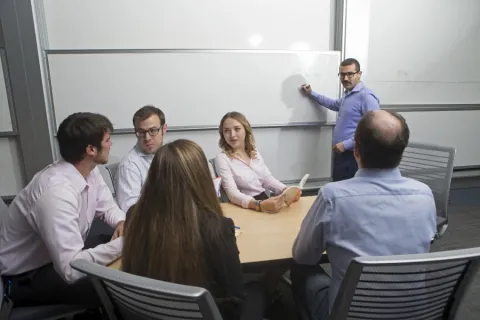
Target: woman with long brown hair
245,177
176,232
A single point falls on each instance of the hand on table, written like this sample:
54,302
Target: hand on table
273,204
118,230
339,147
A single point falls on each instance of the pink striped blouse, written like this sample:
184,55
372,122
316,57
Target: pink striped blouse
242,181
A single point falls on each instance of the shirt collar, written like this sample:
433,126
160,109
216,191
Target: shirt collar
79,182
379,173
141,153
357,88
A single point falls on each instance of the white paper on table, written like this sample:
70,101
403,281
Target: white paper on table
291,192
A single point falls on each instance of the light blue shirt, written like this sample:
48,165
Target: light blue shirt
131,175
351,107
376,213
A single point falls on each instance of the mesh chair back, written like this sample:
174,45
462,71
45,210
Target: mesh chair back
112,171
420,286
223,194
126,296
432,165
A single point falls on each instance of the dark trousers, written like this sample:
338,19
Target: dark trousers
255,305
344,165
260,292
44,285
310,285
261,196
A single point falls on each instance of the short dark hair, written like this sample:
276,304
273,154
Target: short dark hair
78,131
377,150
146,112
349,62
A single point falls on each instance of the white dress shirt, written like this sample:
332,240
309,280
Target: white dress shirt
242,181
49,220
131,175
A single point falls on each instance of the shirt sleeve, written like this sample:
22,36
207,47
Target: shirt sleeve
56,215
312,239
231,272
433,215
370,103
228,182
332,104
128,186
269,181
107,209
349,143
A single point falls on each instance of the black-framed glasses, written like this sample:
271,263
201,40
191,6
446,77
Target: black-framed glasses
152,132
349,75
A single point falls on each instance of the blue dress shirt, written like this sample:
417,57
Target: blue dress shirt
376,213
351,108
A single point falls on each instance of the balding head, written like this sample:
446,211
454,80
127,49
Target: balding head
380,139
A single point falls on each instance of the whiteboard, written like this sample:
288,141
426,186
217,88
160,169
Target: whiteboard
194,88
187,24
5,117
422,52
457,129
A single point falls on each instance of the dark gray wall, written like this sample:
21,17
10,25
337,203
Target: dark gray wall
19,38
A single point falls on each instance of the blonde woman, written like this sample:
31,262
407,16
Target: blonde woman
245,177
177,232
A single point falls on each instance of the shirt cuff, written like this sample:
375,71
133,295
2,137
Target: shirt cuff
316,96
246,202
117,217
348,144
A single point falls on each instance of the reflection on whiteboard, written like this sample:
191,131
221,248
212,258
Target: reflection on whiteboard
195,88
266,24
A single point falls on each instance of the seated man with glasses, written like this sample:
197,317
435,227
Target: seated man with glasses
356,102
149,124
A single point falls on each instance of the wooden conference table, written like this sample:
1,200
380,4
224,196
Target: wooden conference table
264,236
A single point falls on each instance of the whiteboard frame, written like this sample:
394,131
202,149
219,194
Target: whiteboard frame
259,126
8,88
430,107
176,128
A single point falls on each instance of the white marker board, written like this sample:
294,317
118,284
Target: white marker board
194,88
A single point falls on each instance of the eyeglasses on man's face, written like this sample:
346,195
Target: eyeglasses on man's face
152,132
349,75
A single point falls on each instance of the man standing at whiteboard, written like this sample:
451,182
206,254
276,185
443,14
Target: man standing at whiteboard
356,102
150,127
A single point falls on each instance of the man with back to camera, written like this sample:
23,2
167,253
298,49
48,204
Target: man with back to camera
150,127
376,213
47,223
358,100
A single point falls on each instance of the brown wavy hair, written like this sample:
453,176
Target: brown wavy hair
250,147
177,207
